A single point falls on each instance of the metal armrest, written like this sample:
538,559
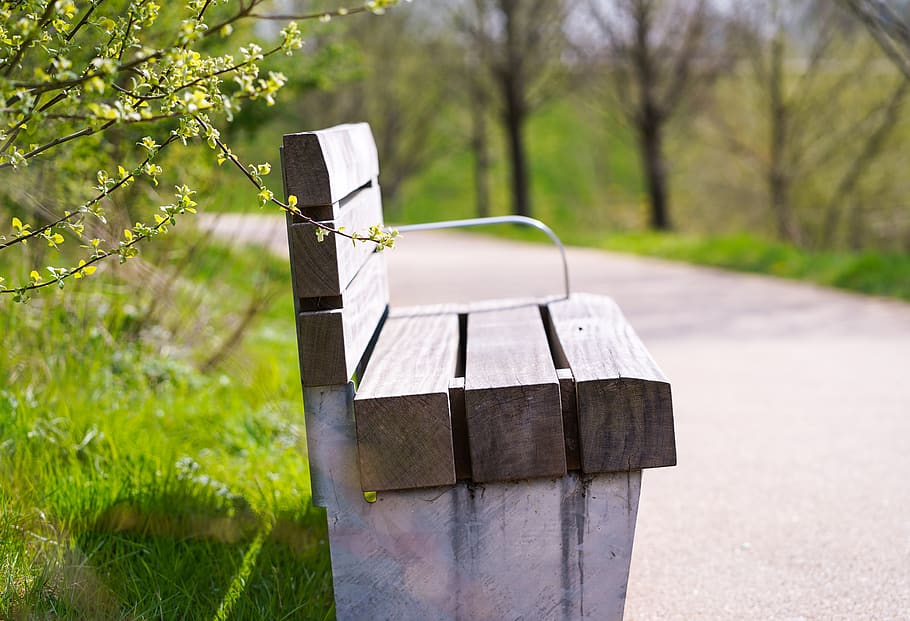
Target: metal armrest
471,222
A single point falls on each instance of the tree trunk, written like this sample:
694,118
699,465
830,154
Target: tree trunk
481,149
650,117
515,115
857,231
512,80
651,142
779,195
777,174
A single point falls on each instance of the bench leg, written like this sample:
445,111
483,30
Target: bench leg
537,549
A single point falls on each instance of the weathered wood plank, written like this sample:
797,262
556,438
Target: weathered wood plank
331,342
459,430
625,412
512,402
323,269
569,418
404,428
457,384
321,168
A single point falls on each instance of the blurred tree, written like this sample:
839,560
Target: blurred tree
480,144
394,83
468,19
822,131
658,57
520,43
889,25
400,92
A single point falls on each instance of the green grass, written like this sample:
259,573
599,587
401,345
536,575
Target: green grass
136,486
876,273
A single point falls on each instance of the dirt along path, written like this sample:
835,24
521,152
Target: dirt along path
791,500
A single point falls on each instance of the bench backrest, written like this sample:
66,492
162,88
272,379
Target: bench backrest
340,288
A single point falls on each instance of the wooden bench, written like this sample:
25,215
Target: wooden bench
501,443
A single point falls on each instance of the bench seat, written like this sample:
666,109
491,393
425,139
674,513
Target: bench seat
509,390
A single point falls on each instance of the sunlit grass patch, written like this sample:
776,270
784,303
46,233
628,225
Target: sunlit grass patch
135,483
878,273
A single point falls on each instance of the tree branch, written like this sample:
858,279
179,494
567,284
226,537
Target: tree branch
67,217
45,18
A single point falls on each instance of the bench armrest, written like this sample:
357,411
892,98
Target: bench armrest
472,222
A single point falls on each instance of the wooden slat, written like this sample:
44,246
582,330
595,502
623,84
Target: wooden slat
569,418
459,430
331,342
456,385
512,402
625,413
322,269
404,429
321,168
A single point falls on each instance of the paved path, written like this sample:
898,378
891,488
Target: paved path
791,500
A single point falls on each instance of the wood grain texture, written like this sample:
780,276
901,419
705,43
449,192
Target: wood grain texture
404,429
625,412
459,430
512,402
323,269
569,418
321,168
332,342
456,385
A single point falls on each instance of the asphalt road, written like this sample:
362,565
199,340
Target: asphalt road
791,500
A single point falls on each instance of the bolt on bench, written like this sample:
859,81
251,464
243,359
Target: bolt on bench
504,440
